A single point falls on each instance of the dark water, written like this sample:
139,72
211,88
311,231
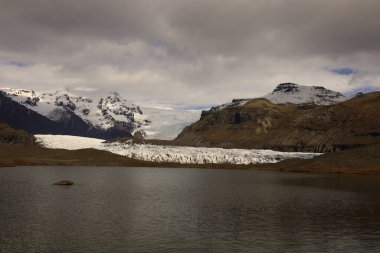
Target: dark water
186,210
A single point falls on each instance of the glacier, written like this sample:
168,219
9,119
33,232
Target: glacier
174,154
167,123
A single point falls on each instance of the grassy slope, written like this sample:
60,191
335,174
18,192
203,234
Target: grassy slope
10,135
363,160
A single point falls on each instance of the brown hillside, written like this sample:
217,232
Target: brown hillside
10,135
289,127
362,160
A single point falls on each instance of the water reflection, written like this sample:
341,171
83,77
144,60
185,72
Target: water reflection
186,210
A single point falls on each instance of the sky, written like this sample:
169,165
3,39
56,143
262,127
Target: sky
189,53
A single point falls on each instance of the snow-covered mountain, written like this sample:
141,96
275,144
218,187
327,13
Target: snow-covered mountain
110,115
294,94
184,155
107,112
299,94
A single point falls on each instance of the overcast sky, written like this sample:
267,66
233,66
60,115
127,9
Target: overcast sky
189,52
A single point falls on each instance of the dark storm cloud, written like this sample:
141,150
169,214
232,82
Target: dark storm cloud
40,23
327,27
190,51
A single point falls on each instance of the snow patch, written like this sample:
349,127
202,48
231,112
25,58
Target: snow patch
69,142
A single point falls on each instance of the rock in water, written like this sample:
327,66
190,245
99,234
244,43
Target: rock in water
64,182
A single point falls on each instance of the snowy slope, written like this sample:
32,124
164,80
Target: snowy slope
299,94
295,94
185,155
234,102
103,112
167,123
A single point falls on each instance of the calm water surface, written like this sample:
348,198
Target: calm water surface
186,210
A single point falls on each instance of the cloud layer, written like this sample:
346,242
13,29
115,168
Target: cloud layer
189,52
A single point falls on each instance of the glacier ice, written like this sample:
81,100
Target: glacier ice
175,154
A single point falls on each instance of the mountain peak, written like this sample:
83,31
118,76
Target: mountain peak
300,94
286,87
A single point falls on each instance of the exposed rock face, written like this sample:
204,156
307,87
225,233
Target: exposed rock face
258,123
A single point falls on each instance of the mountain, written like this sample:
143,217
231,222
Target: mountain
19,116
101,116
106,116
294,94
306,125
299,94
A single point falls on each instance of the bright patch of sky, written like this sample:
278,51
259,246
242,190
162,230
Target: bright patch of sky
363,90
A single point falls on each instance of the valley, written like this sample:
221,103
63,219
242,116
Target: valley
287,130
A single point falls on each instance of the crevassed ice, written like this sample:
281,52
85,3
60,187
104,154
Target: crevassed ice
184,155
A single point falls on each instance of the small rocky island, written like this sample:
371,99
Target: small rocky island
64,182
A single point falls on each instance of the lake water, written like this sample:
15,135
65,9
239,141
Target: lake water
186,210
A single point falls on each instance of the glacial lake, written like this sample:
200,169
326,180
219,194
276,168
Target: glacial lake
186,210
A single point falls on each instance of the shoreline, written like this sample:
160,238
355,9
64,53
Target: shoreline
353,161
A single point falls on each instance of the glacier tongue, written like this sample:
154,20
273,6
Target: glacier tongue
194,155
184,155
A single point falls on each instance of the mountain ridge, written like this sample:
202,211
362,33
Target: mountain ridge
101,112
107,113
300,94
111,116
19,116
294,94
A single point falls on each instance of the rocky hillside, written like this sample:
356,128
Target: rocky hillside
259,123
10,135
